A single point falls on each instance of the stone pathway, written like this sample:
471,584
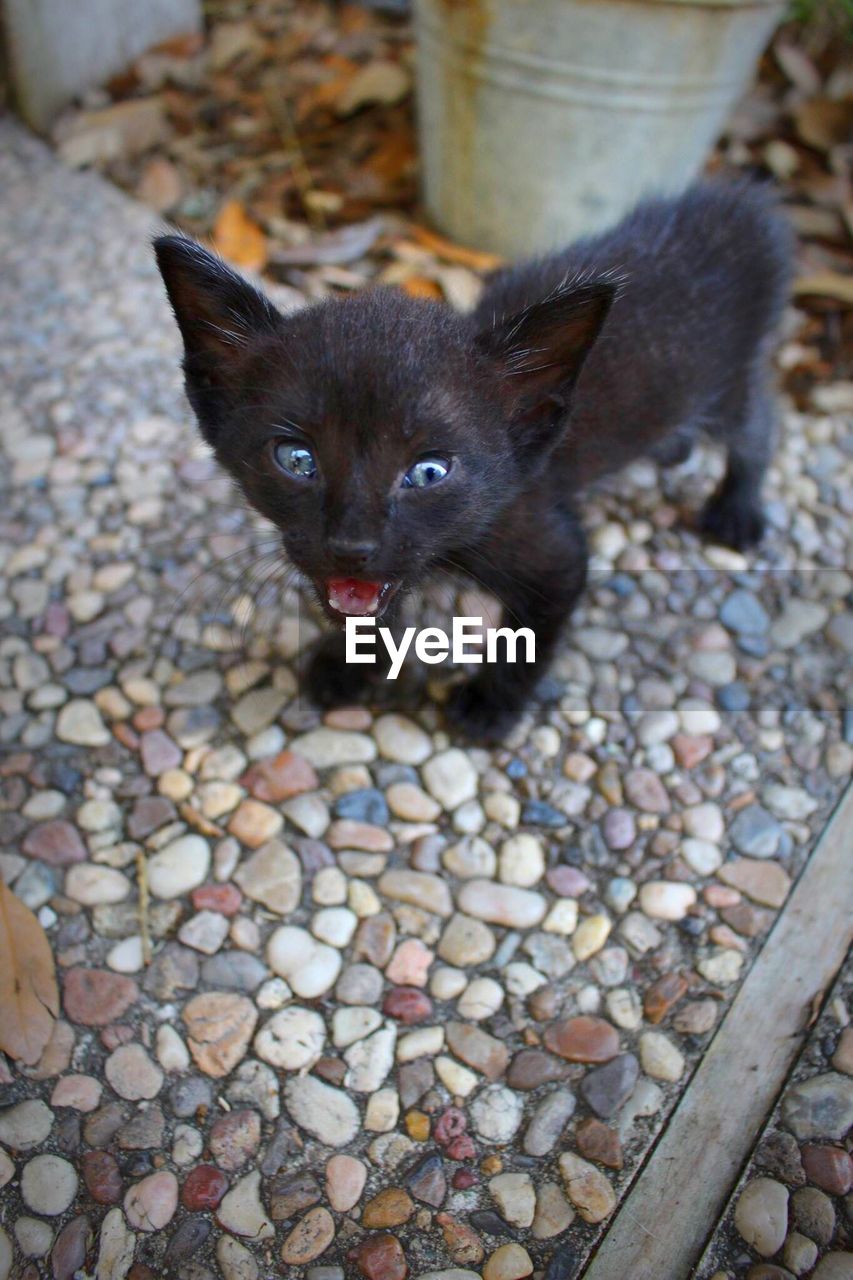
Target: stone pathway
409,1007
792,1204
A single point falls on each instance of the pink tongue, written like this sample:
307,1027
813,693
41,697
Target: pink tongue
350,595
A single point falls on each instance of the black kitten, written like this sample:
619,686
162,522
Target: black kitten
387,436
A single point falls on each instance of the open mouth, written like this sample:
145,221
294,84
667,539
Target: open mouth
355,598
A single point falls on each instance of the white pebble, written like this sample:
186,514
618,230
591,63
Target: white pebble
292,1039
481,998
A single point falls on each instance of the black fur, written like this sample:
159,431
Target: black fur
625,345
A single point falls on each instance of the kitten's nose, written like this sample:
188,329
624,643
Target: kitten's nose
352,553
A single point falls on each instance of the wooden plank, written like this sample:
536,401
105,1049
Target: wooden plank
661,1228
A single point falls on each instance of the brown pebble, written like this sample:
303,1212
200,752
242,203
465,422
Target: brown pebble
389,1208
597,1141
101,1176
417,1125
695,1018
374,940
311,1236
56,842
95,997
235,1138
331,1069
407,1004
462,1242
219,1027
747,920
583,1039
478,1049
829,1168
666,991
532,1067
285,775
508,1262
381,1258
290,1193
544,1004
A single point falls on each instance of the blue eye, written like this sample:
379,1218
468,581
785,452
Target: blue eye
295,459
426,472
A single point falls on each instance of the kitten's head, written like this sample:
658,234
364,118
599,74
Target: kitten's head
378,432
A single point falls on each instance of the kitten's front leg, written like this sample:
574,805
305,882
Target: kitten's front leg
538,593
334,682
331,680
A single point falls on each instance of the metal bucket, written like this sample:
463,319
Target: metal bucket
544,120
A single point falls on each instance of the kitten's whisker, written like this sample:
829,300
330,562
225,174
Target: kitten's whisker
507,573
216,564
469,573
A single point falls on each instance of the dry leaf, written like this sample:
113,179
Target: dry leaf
826,284
334,249
421,287
29,996
238,238
160,184
450,252
798,67
823,124
385,82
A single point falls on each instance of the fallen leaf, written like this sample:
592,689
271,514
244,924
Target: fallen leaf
393,158
230,40
826,284
823,124
421,287
238,238
461,286
29,996
160,184
476,259
182,46
798,67
334,249
112,133
380,81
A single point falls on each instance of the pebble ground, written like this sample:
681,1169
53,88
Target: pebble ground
791,1213
410,1007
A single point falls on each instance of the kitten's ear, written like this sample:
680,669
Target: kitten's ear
539,352
218,314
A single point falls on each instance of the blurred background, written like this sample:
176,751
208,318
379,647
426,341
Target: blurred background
285,132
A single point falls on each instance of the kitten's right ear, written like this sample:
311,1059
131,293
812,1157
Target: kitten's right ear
218,314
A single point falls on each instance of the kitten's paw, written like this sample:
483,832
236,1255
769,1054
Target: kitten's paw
732,522
480,713
331,681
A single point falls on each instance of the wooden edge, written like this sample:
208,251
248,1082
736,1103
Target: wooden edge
660,1230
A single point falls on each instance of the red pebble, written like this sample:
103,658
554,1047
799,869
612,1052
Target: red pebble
204,1188
407,1005
829,1168
380,1258
463,1179
148,718
224,898
116,1034
461,1148
449,1125
101,1176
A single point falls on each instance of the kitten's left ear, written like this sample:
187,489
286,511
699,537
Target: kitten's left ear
218,314
539,352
